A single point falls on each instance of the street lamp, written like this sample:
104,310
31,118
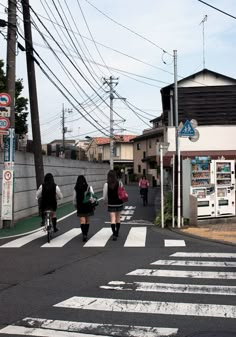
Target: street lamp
163,147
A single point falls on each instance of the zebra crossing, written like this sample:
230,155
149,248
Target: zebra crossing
215,293
136,237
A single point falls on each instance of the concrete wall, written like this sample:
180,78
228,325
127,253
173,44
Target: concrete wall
65,173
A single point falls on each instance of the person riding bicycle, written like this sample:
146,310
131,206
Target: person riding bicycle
143,185
49,192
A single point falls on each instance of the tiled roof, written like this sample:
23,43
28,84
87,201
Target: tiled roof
124,138
101,140
118,138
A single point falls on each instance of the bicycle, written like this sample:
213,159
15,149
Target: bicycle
144,195
48,224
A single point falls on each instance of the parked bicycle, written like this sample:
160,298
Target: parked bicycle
48,227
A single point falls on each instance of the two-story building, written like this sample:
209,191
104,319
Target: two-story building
99,150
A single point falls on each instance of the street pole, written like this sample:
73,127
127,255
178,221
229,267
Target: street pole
63,129
162,187
38,156
11,74
111,127
111,82
177,139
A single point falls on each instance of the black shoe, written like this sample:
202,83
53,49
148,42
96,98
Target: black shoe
55,230
114,238
84,238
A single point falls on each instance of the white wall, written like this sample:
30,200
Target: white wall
211,138
206,79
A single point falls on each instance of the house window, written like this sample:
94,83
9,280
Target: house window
144,154
138,146
144,172
139,168
150,143
116,151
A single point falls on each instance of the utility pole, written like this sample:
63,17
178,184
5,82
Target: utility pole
203,39
111,81
38,156
177,162
8,221
64,129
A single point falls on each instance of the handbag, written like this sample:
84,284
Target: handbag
90,197
122,194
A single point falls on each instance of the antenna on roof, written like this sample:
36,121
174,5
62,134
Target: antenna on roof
203,38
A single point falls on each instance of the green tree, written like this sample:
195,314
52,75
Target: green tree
21,103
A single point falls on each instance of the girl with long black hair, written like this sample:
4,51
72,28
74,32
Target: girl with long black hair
84,210
114,204
49,192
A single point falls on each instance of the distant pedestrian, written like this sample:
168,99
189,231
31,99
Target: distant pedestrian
114,204
84,210
48,193
143,185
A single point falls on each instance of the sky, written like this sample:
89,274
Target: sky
80,44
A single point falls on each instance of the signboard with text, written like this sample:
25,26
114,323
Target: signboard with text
7,195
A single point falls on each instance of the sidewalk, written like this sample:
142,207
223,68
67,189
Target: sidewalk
32,223
221,232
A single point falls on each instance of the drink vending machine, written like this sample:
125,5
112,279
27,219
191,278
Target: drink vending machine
223,177
212,182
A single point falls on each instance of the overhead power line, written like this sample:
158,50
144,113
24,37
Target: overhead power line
217,9
129,29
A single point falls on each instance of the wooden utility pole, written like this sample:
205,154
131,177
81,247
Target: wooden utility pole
38,156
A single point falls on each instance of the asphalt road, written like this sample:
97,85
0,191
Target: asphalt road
150,282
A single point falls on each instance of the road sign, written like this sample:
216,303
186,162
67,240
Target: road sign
187,130
5,111
4,132
4,123
5,99
7,195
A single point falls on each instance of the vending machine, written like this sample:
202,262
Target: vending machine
223,177
202,187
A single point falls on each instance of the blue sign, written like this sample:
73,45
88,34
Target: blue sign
187,130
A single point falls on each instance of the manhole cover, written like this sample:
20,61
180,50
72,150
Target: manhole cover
213,334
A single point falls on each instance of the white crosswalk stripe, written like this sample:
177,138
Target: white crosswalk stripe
63,239
172,287
47,328
195,263
183,273
149,307
100,238
125,306
135,238
174,243
210,255
24,240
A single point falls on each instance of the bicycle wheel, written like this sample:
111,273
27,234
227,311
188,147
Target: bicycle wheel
48,231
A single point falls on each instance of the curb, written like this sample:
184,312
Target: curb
201,237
